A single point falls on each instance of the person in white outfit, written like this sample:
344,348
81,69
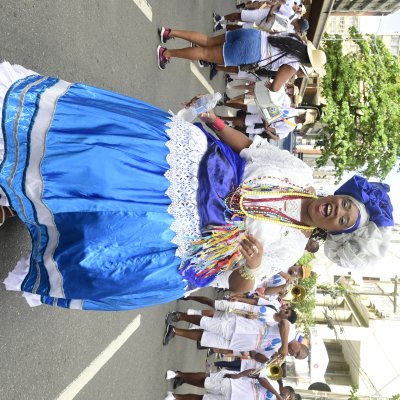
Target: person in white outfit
235,332
230,385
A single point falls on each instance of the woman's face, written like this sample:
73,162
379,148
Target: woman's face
297,8
333,213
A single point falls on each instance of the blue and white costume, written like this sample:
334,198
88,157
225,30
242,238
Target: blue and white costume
113,190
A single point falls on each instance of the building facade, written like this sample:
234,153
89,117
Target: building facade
359,328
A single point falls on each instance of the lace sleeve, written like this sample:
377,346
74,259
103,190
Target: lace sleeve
264,159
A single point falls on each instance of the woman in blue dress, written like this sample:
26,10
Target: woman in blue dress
128,206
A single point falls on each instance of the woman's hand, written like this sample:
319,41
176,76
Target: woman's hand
252,251
187,104
208,117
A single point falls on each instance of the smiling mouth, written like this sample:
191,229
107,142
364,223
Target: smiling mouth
325,209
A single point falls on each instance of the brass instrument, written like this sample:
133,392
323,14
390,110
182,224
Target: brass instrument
295,293
242,313
273,367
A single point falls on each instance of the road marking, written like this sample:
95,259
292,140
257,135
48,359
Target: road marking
94,367
201,78
145,8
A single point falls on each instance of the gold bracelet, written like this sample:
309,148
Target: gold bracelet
246,273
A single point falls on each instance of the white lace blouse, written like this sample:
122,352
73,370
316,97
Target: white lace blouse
283,246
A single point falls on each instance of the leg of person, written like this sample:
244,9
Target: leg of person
188,396
207,313
193,318
193,378
237,98
198,38
224,352
193,334
232,17
232,365
231,27
175,316
236,105
254,5
171,331
203,300
210,54
229,70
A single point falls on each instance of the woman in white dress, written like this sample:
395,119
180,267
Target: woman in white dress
128,206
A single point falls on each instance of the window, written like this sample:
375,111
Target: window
395,45
341,25
333,25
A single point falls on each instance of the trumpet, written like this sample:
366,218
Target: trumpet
273,367
295,292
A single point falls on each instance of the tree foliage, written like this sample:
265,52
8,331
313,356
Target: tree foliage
305,308
362,115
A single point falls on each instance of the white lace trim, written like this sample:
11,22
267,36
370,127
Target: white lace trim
187,146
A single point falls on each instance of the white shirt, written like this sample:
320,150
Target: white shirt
253,334
283,245
269,53
272,301
264,313
273,342
274,281
246,389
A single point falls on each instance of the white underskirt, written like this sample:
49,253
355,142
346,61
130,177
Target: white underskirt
16,277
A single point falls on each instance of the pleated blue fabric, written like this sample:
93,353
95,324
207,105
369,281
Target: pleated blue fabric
84,169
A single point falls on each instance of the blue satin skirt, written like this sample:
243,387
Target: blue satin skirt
84,170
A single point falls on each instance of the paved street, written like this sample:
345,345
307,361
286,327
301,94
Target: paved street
110,44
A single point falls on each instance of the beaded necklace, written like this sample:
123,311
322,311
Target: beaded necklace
241,201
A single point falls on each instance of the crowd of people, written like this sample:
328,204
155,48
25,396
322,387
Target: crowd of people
255,49
129,206
255,330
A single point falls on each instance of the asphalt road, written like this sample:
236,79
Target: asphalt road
110,44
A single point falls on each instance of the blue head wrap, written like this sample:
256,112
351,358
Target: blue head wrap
375,198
